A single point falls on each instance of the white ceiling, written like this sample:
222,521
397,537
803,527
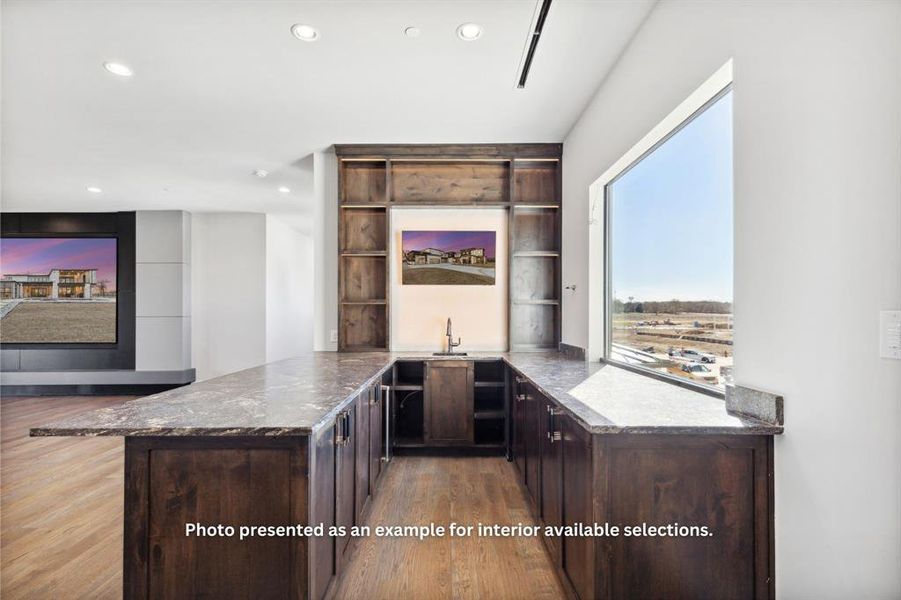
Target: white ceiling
222,88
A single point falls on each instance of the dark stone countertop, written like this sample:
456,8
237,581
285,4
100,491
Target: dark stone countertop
300,395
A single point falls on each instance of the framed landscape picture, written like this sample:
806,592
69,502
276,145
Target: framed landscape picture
448,257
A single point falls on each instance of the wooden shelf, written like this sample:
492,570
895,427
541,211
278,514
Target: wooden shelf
489,384
407,387
409,443
536,253
364,302
450,181
363,181
535,181
364,253
539,302
489,414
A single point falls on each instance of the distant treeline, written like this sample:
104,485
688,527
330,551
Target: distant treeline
673,306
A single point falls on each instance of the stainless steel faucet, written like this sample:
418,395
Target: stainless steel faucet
450,338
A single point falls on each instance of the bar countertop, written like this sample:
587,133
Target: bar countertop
298,396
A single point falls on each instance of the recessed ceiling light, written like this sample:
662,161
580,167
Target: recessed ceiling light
284,189
307,33
118,69
469,32
261,173
412,32
94,189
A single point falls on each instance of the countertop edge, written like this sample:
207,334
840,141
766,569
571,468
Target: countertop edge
751,426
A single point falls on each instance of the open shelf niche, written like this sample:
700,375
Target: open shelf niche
363,256
535,253
489,403
409,404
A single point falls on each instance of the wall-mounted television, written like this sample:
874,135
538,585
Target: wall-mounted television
58,290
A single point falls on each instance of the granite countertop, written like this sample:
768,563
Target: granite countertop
298,396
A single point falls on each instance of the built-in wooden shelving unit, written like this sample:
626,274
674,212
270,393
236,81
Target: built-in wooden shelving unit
523,178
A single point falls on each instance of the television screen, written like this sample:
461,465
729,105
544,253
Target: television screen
58,290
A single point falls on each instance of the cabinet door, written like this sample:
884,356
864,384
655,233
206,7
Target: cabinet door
519,425
376,417
322,510
345,480
551,472
448,403
533,447
578,482
361,490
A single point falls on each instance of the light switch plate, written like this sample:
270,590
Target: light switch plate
333,335
890,334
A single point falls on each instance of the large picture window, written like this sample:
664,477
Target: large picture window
669,249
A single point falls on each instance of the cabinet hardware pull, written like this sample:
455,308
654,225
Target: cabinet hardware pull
520,397
339,429
520,379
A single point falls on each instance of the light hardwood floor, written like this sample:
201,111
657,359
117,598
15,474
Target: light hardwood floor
60,504
441,490
61,520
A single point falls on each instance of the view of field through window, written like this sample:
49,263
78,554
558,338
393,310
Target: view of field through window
671,253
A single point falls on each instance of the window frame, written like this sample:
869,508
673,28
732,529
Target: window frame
607,262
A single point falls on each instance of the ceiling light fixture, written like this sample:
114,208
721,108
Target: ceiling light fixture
261,173
284,189
118,69
94,189
412,32
307,33
469,32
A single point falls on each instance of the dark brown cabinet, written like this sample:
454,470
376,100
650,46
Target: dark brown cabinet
376,411
361,456
518,429
722,482
449,403
578,491
345,480
550,440
532,448
322,510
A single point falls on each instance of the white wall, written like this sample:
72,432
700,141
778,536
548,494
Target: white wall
419,313
325,250
817,110
229,292
289,291
163,290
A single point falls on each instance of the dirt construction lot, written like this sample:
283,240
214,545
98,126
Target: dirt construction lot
60,322
447,275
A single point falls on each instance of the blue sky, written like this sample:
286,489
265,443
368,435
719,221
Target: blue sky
671,226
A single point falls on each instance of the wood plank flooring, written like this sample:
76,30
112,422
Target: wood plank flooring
60,504
419,490
61,520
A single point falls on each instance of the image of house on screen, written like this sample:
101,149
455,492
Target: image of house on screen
466,256
58,283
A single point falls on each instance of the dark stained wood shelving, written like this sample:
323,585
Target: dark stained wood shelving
525,179
489,414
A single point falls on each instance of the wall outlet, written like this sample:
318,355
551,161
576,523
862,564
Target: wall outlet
333,335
